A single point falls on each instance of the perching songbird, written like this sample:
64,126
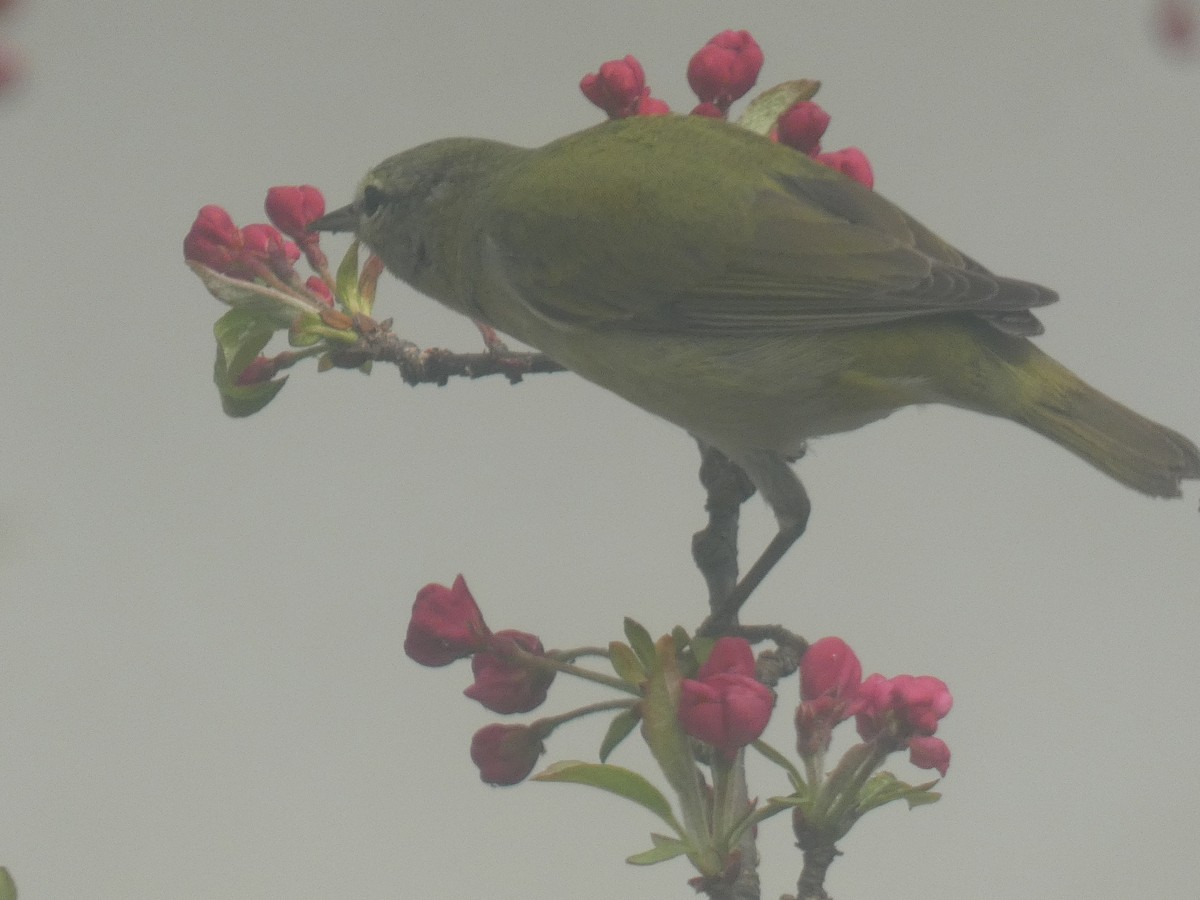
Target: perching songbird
739,289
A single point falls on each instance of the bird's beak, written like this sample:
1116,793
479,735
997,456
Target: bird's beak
344,219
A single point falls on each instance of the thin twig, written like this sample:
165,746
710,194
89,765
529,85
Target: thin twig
378,343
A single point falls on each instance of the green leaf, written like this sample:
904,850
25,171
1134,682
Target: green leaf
794,776
884,787
347,280
641,642
616,780
8,889
664,848
622,724
241,334
270,304
626,663
701,648
662,730
772,807
765,109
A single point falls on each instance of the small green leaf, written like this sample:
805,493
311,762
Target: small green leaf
347,280
884,787
626,663
765,109
278,307
8,889
641,642
664,848
620,728
241,334
616,780
783,762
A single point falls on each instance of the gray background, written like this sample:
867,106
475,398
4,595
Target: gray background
202,690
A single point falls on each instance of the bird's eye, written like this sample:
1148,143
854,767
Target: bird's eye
373,198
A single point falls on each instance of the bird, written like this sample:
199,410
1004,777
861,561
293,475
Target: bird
739,289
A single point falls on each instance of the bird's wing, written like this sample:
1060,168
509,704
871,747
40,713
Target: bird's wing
803,248
830,253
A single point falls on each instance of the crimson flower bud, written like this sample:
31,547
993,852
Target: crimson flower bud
926,752
725,68
726,710
10,67
851,162
829,668
708,110
317,286
446,625
652,106
724,705
260,369
292,208
505,754
265,244
1177,25
920,701
872,704
729,656
503,682
214,241
802,126
617,87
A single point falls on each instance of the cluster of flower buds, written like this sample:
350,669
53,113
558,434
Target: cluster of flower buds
253,269
260,250
896,713
446,625
619,88
511,674
720,73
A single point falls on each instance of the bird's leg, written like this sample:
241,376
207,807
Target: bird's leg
715,547
773,476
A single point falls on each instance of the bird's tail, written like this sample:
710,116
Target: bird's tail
1135,451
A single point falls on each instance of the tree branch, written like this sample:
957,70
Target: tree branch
378,343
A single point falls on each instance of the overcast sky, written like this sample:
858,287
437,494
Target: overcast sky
202,689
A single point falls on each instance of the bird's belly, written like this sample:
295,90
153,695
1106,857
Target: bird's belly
734,392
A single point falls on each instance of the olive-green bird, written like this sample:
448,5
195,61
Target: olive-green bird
739,289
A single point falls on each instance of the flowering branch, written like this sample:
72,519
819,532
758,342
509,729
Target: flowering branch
698,699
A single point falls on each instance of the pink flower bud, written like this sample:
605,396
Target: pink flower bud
872,704
260,369
920,701
317,286
708,110
729,656
1177,25
446,625
929,753
725,68
10,67
829,668
726,710
505,754
851,162
214,241
617,87
652,106
265,245
802,126
503,682
294,208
